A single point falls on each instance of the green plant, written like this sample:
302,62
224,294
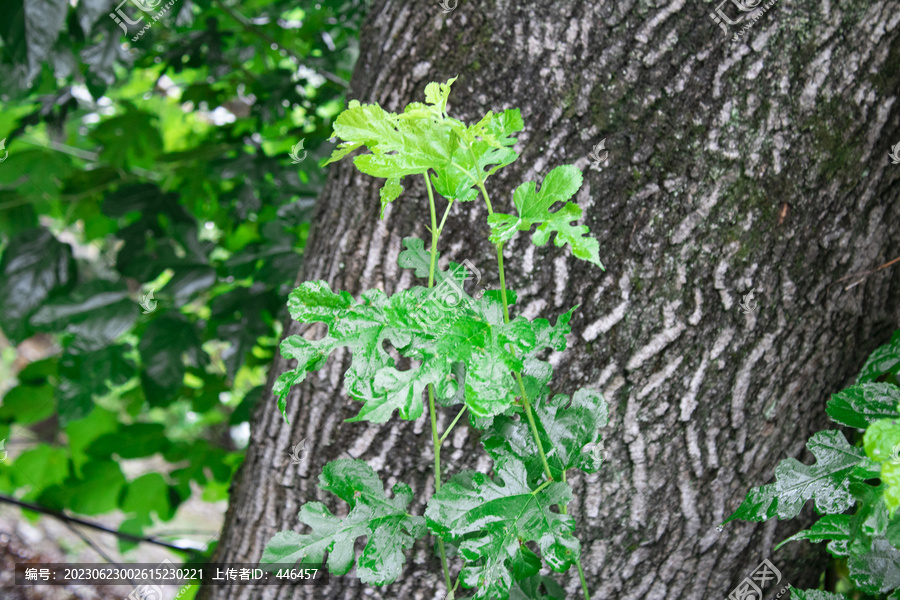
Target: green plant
467,351
117,184
866,475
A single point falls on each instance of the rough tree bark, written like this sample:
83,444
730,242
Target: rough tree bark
762,166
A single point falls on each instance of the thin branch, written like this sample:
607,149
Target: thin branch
247,25
862,276
87,155
96,547
67,519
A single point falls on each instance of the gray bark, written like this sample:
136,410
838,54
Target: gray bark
762,166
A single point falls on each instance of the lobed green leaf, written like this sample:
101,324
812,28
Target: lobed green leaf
422,139
534,207
438,327
569,429
491,519
827,482
384,521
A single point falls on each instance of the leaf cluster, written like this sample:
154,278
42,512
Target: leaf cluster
863,476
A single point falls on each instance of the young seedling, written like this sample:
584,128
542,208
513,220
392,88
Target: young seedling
470,353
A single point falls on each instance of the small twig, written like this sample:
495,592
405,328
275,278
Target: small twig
862,276
247,25
67,519
87,155
95,547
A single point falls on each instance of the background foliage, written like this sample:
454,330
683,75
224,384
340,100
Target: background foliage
157,163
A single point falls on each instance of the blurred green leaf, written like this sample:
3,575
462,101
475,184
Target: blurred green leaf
130,441
97,490
162,345
34,266
96,312
27,404
129,140
147,494
41,467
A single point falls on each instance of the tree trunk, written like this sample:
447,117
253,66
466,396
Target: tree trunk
760,166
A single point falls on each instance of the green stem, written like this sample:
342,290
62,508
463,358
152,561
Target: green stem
436,441
584,588
503,285
446,433
487,199
444,219
540,487
525,403
435,232
530,416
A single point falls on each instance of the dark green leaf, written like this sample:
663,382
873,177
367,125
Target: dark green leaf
861,405
877,570
84,375
188,280
96,312
34,266
828,527
885,359
384,521
44,19
131,441
129,140
530,589
162,345
89,11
